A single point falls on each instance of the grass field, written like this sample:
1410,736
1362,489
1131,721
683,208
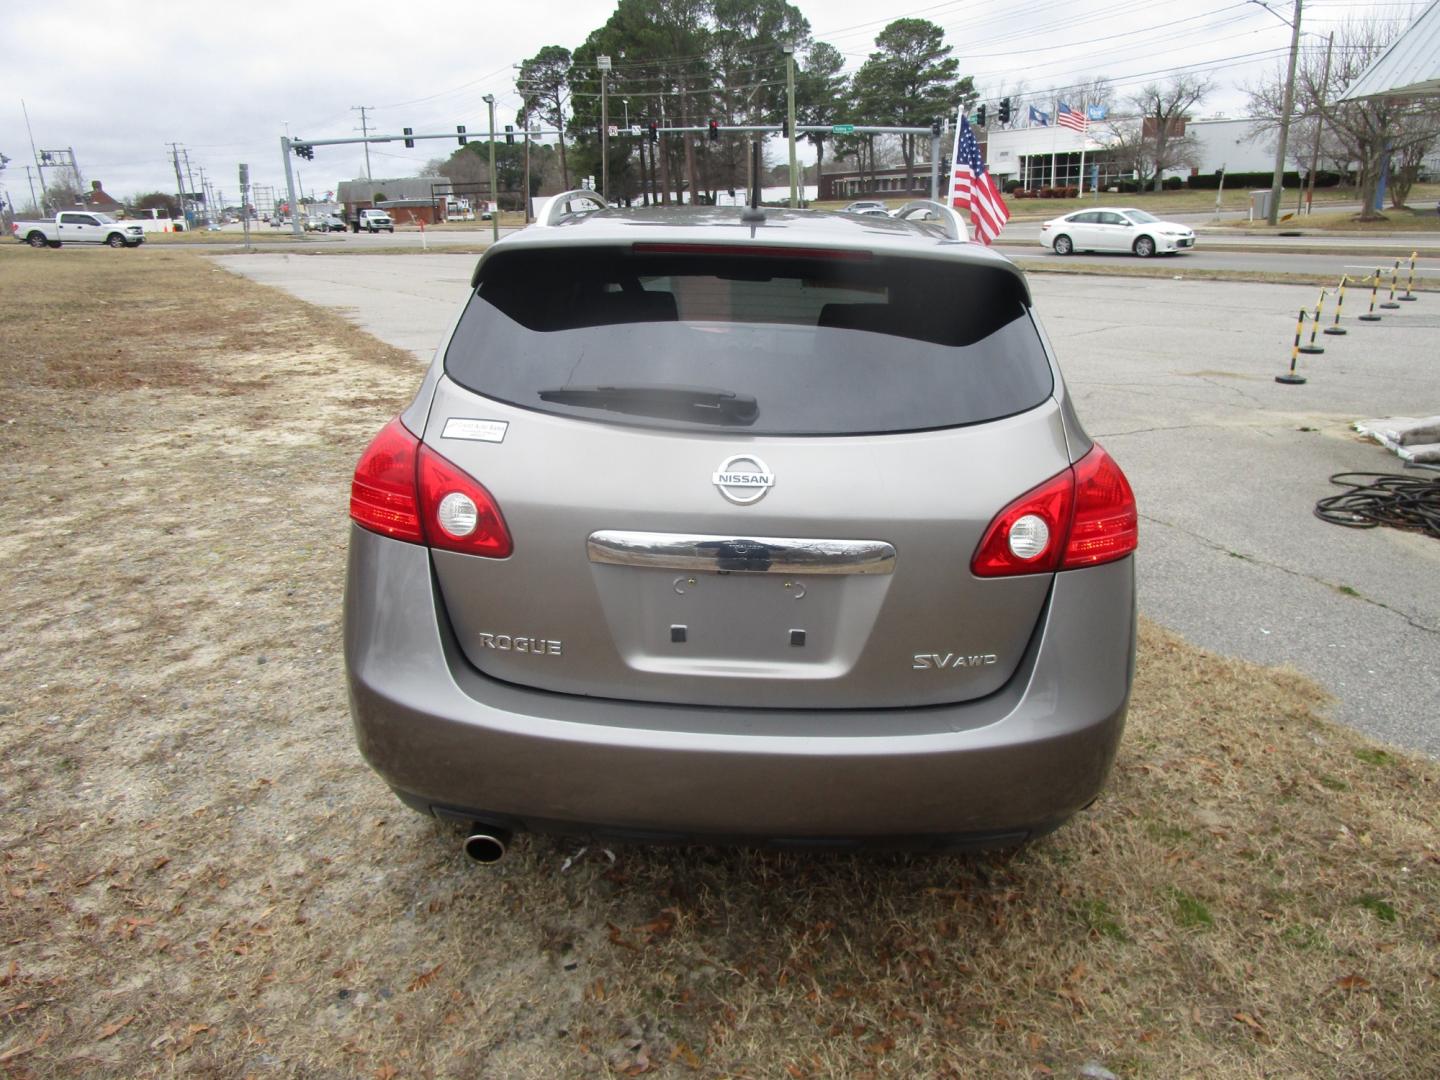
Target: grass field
200,878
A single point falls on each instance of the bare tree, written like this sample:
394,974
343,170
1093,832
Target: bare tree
1164,108
1353,132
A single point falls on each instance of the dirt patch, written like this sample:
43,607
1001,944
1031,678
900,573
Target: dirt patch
198,876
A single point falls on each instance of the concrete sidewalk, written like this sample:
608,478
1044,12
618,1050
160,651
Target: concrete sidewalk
1176,378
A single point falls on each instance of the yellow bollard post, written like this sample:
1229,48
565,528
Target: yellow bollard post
1290,376
1394,273
1410,285
1370,315
1311,347
1335,329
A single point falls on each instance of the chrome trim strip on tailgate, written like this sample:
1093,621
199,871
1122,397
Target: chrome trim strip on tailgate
740,554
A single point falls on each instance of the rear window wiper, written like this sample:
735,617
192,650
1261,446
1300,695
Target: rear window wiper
702,404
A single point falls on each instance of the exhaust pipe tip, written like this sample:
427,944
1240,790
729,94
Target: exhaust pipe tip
485,843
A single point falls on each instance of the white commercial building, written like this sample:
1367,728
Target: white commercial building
1051,156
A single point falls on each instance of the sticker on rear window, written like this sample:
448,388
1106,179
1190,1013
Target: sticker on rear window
458,427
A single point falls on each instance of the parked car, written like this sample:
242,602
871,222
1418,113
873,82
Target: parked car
78,227
786,536
1118,229
867,206
334,222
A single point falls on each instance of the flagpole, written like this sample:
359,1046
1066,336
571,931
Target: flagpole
1054,118
1083,134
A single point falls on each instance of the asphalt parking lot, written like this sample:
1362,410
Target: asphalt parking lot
1176,379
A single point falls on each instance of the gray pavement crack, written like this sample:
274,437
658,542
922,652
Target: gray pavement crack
1148,430
1316,579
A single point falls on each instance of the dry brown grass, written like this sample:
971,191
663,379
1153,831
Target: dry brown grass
198,877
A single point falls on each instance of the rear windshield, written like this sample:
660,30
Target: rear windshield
810,343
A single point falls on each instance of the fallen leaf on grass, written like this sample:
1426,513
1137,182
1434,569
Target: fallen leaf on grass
386,1072
682,1052
423,979
1353,982
1253,1024
20,1051
111,1029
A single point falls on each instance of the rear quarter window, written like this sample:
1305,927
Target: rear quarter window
824,343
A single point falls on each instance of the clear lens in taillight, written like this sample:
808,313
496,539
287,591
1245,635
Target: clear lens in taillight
1028,535
1080,517
459,514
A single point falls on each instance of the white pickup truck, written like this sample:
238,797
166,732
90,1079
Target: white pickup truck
374,221
79,227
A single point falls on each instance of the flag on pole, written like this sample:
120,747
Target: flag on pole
1038,117
1097,112
973,188
1071,118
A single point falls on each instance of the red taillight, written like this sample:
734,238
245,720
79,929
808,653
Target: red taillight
382,495
405,490
460,515
1106,526
1083,516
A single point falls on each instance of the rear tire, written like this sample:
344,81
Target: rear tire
115,240
1144,247
37,240
1063,246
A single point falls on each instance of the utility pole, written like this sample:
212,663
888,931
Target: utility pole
39,171
790,121
489,100
189,176
1319,124
364,130
179,182
1277,183
527,170
604,64
38,208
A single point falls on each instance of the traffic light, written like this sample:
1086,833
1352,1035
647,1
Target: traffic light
409,142
785,127
1004,110
714,131
460,135
304,150
654,131
510,134
980,115
936,126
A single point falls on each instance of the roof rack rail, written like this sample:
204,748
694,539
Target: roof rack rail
936,213
557,208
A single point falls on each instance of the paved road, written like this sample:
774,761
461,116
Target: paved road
1207,257
1176,379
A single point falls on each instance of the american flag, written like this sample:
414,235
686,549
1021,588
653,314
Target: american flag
1072,118
973,188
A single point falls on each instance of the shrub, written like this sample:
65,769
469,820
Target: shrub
1013,185
1071,192
1173,183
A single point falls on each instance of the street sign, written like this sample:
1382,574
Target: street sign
842,129
635,129
614,131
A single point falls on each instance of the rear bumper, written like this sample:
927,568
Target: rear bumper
457,743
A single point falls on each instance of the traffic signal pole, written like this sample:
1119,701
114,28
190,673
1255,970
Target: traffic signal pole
290,186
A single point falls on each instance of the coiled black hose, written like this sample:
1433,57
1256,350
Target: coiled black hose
1401,502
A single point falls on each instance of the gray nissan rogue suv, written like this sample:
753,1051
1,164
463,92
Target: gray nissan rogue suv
717,525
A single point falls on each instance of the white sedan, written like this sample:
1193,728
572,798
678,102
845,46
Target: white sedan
1119,229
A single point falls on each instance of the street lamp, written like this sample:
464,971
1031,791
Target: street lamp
603,62
489,100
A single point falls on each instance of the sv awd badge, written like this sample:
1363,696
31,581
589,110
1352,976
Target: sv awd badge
743,479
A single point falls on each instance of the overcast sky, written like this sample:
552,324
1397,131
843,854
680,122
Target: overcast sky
119,81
